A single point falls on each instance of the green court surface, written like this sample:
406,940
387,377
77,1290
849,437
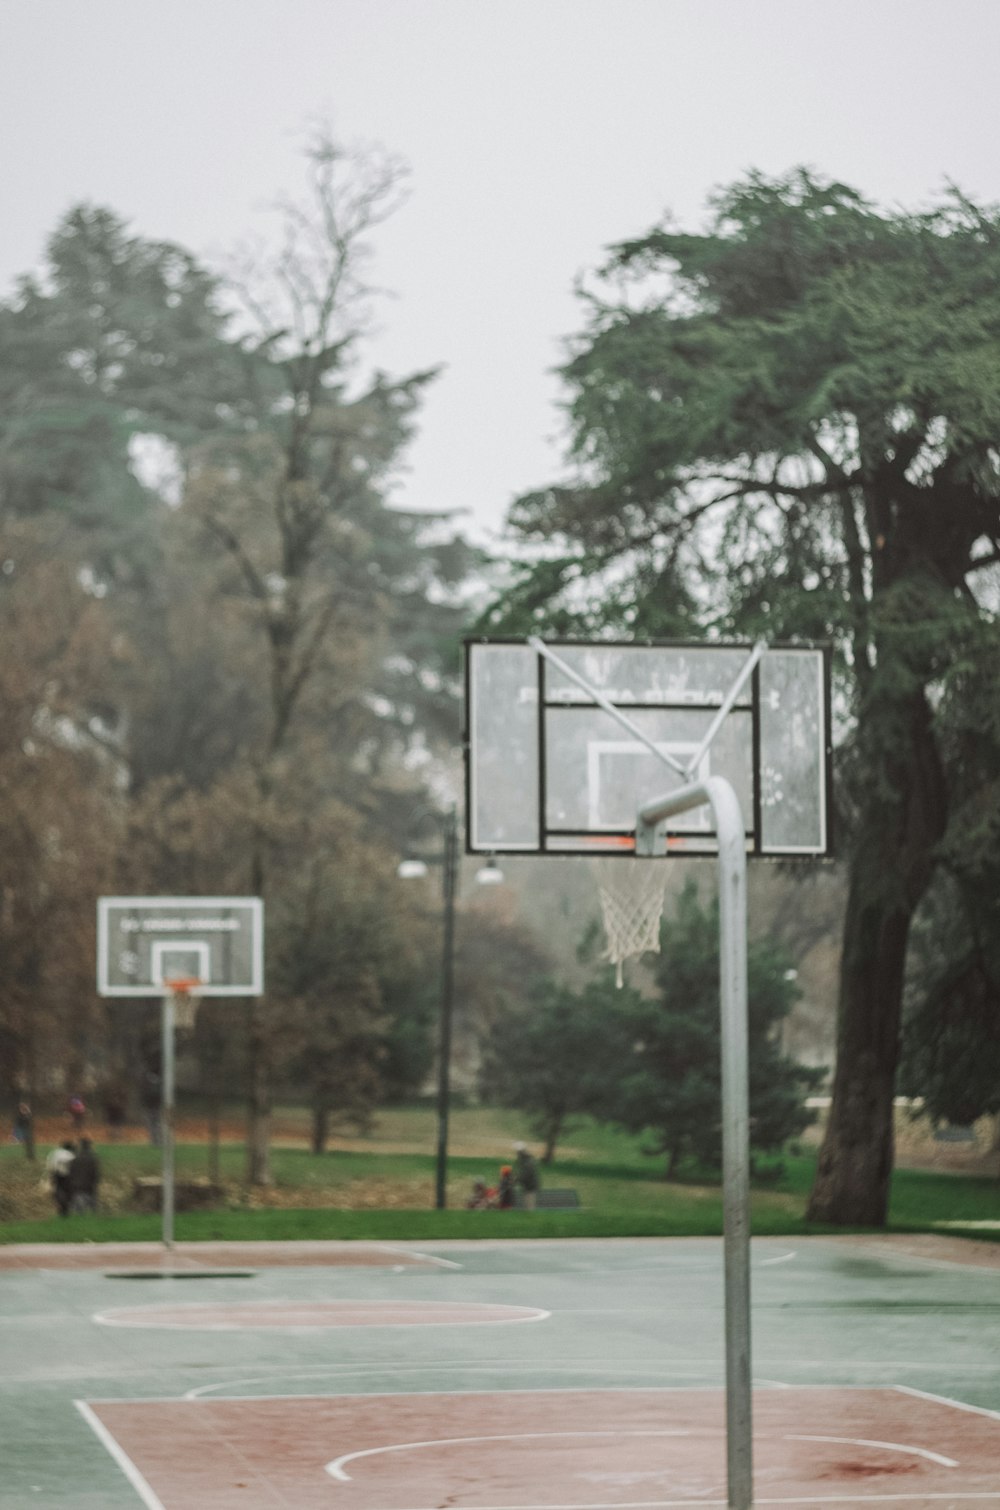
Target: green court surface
535,1320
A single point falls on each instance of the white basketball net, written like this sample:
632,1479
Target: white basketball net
186,1004
631,893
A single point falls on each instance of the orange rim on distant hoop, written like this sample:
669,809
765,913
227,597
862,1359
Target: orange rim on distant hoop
183,985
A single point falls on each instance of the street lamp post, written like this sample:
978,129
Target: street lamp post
411,869
450,860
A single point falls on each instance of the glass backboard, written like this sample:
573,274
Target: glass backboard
550,771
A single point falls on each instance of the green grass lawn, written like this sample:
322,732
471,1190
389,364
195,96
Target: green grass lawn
381,1187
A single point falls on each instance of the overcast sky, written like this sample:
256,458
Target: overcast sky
537,132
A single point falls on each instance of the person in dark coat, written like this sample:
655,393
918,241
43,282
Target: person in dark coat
526,1176
114,1114
84,1177
505,1190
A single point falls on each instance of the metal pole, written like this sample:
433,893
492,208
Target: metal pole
719,795
167,1120
447,981
735,1137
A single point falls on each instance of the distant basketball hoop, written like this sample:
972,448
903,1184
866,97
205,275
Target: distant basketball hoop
180,950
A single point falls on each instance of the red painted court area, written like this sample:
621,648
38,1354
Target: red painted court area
527,1450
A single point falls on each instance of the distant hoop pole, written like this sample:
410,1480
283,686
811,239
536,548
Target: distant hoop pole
181,986
720,797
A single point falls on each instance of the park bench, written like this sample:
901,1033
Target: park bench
553,1200
189,1195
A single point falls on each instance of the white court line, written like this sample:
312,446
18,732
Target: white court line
431,1258
923,1394
336,1468
782,1258
145,1317
920,1452
121,1457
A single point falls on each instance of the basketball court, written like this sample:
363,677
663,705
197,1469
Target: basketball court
582,1375
570,1375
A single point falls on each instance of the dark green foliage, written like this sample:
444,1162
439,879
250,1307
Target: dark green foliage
651,1064
118,337
951,1054
547,1056
951,1030
666,1048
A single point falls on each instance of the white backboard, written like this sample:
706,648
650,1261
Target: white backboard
143,942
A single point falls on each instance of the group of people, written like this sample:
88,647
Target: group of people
74,1173
521,1176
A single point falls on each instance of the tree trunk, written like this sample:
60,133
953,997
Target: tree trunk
258,1150
320,1126
214,1109
551,1132
259,1103
900,822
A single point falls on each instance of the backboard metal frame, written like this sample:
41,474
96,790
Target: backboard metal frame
547,702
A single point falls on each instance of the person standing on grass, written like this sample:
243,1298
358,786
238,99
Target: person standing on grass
526,1176
24,1129
84,1178
58,1166
505,1190
114,1114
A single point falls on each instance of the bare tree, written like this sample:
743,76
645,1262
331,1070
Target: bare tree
292,504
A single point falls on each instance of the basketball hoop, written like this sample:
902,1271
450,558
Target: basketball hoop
184,990
631,893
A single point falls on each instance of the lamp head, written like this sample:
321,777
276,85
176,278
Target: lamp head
489,874
411,869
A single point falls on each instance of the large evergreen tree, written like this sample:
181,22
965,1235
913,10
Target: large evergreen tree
787,426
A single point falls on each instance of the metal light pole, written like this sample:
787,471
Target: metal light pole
447,994
412,869
489,874
167,1028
